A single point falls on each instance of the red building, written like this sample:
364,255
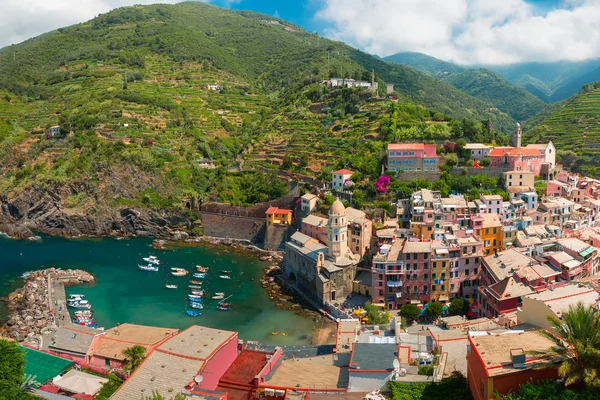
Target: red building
412,157
502,363
517,159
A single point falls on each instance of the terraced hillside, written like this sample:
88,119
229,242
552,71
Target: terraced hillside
574,125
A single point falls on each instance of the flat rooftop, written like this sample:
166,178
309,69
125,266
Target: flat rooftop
198,342
141,334
495,350
245,367
313,372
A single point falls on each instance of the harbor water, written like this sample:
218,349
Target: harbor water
124,293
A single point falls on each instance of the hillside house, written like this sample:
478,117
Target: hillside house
341,179
214,87
518,159
410,157
53,132
477,150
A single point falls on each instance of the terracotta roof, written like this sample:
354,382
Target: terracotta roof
276,210
344,172
509,288
406,146
511,151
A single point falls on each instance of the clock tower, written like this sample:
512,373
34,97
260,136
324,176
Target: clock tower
337,230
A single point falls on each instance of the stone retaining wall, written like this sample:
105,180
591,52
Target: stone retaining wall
232,226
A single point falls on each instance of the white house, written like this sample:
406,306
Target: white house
340,179
478,150
309,203
549,152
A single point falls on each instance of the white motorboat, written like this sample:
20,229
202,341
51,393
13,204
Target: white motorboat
219,296
152,260
171,286
195,297
76,297
178,272
80,304
224,277
148,267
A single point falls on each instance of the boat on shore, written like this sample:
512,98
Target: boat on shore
200,275
151,260
224,276
193,313
171,286
148,267
178,272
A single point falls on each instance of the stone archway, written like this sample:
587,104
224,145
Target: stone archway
292,277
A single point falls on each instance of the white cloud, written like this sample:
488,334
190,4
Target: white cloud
467,31
24,19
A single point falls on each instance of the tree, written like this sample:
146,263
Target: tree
547,390
376,315
133,357
486,162
12,372
451,159
409,311
434,309
577,345
457,306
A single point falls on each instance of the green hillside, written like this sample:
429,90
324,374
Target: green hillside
131,91
425,63
572,125
492,87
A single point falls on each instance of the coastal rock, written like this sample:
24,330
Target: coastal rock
178,235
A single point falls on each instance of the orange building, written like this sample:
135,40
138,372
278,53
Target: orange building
488,228
502,363
280,216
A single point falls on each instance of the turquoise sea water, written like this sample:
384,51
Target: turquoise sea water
124,293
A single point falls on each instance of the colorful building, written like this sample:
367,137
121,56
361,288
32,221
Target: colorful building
340,179
488,228
517,159
518,178
412,157
278,216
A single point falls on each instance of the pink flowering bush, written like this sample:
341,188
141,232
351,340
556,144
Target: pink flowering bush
382,184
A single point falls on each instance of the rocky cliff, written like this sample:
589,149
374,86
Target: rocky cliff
44,211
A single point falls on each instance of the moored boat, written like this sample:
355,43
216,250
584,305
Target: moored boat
219,296
198,306
200,275
171,286
224,276
151,260
223,304
76,297
194,282
84,313
197,292
148,267
193,313
178,272
80,304
223,308
201,268
195,297
195,286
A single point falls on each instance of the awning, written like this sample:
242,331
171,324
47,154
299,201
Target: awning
79,382
586,252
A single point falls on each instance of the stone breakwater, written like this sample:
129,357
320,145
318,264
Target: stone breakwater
31,308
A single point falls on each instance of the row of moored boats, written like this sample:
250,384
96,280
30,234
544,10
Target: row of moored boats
196,293
83,316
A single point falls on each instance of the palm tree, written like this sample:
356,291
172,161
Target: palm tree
133,357
577,345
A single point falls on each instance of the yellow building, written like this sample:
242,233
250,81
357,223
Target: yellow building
488,228
279,216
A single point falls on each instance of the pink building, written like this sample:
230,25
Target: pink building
315,227
557,189
467,277
517,159
412,157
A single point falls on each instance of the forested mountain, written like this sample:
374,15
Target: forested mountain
142,93
483,84
549,81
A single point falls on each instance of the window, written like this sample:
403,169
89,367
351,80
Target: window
380,283
416,289
452,286
107,361
381,292
425,255
466,272
424,265
495,230
415,266
424,288
467,260
475,271
433,276
443,288
426,276
433,288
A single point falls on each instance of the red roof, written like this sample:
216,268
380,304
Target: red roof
512,151
276,210
49,388
344,172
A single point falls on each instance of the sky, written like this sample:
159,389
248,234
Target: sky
461,31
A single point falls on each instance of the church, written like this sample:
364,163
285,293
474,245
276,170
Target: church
323,272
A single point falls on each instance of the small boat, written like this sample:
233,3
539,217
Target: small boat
219,296
222,303
195,286
148,267
224,277
201,269
222,308
194,282
178,272
151,260
80,304
197,292
171,286
194,297
274,333
193,313
284,334
225,272
199,306
200,275
76,297
85,313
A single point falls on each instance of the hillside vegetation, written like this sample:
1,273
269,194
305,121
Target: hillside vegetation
483,84
573,126
130,89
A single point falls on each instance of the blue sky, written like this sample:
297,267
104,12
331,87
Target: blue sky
462,31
